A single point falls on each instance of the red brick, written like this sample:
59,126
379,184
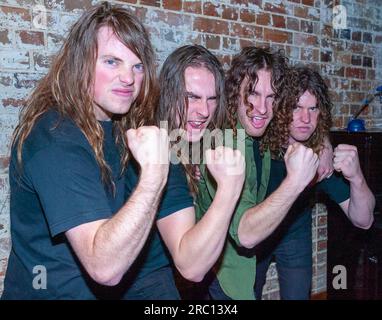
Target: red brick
32,37
230,13
6,81
247,15
228,43
358,73
246,31
278,21
192,6
356,36
308,2
212,42
338,122
327,31
371,74
263,19
246,2
277,36
321,245
4,37
293,24
41,61
19,12
277,8
155,3
4,162
247,43
71,5
310,54
210,26
210,9
12,102
356,47
172,4
305,40
306,26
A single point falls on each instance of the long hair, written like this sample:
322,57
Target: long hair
67,87
246,65
300,80
173,102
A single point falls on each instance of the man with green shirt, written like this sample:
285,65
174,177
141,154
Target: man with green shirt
253,84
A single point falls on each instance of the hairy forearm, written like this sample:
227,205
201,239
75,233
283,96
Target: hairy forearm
119,240
361,204
202,245
261,220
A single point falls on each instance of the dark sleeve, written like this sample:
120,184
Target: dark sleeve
176,195
67,180
336,187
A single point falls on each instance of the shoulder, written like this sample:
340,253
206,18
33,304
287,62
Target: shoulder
51,130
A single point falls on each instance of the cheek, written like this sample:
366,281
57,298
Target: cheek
102,78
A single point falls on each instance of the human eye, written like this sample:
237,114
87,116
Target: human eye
139,67
314,109
110,61
296,108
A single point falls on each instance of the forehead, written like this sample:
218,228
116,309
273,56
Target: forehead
263,82
199,78
307,99
109,44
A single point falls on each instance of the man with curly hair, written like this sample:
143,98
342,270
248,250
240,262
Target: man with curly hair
253,87
303,116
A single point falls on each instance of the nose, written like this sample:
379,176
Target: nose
127,76
202,109
260,105
305,116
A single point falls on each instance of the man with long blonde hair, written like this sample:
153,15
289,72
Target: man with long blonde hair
69,216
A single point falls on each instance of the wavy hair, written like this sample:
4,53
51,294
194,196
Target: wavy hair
68,85
300,79
246,65
173,102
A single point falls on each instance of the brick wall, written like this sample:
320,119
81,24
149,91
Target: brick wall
350,58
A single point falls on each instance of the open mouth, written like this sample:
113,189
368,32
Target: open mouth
258,122
197,124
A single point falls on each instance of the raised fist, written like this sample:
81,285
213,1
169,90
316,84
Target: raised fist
346,160
227,166
150,147
301,164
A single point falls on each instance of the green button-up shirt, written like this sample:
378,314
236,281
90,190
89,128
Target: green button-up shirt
237,265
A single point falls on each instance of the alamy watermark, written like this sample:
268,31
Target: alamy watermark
40,279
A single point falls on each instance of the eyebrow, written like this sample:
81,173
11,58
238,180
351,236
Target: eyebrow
110,56
193,95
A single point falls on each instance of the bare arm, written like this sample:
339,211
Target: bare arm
108,247
196,247
359,207
261,220
325,167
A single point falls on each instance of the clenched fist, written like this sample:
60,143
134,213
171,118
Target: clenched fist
150,147
227,166
301,164
346,161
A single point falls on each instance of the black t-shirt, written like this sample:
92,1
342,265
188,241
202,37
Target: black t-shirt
58,187
298,219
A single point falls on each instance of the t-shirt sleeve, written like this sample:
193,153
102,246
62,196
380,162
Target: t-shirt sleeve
176,195
336,187
67,180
